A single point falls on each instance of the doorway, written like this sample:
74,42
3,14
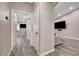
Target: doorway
22,29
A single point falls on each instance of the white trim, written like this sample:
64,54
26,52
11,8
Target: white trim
12,39
47,52
24,12
9,52
74,38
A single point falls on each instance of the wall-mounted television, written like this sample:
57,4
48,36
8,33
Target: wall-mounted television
60,25
22,25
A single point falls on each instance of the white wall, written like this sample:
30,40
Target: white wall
46,28
28,28
4,28
35,27
22,6
72,19
20,19
42,22
72,25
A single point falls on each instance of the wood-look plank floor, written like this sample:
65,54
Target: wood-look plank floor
69,48
23,47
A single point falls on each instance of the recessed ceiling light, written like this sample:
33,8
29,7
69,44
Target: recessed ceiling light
59,14
15,15
70,7
25,17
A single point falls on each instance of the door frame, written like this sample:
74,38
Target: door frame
12,27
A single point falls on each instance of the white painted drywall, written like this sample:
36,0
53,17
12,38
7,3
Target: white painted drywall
35,27
72,19
72,25
42,22
46,28
5,41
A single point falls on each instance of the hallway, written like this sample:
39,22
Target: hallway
23,47
33,29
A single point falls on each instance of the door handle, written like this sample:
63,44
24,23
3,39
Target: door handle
36,32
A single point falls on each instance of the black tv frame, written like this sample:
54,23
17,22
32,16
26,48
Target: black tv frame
60,25
22,25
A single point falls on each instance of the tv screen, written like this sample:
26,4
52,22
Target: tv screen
22,25
60,25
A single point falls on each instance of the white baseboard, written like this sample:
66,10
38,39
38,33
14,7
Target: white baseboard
45,53
74,38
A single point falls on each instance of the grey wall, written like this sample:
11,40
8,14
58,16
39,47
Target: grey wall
5,41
